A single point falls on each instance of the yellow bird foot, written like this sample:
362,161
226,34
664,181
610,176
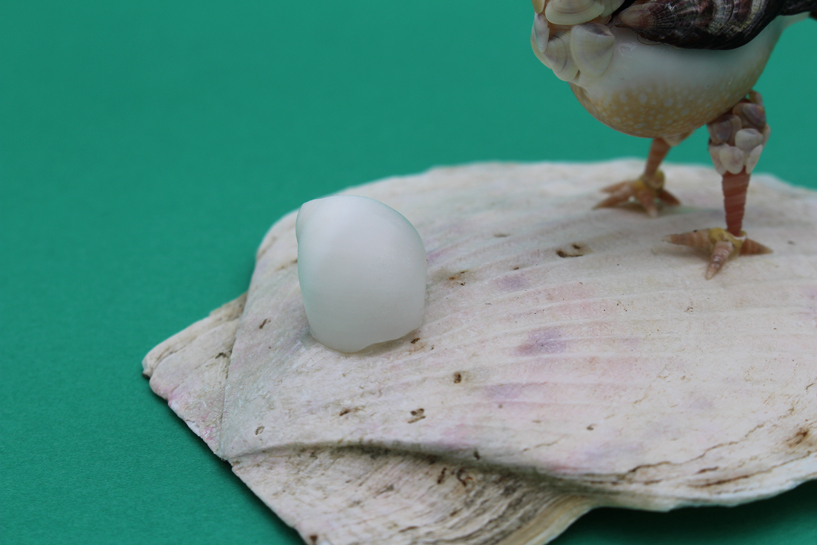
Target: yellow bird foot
720,244
647,190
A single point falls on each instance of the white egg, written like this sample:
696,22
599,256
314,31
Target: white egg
362,270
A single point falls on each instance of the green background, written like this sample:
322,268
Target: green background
145,148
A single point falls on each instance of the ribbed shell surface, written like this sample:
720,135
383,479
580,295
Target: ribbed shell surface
568,359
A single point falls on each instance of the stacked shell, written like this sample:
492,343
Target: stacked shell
736,138
571,37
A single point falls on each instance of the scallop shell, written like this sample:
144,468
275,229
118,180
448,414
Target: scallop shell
592,48
708,24
559,56
568,360
573,12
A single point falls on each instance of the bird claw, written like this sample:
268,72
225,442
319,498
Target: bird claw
721,245
644,190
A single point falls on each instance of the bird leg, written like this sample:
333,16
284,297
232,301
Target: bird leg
736,140
649,187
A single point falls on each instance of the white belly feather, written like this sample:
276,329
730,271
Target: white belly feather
650,89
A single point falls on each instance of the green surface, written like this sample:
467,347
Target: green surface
145,148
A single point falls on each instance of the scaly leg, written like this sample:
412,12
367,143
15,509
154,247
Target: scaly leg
736,140
649,187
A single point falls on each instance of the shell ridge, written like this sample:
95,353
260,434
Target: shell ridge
376,496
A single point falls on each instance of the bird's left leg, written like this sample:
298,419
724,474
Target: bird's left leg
736,140
649,187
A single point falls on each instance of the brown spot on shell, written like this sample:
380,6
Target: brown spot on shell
416,416
385,490
347,410
575,249
463,477
799,437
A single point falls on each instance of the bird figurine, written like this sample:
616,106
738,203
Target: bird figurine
660,69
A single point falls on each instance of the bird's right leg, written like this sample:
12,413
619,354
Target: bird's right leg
649,187
736,140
